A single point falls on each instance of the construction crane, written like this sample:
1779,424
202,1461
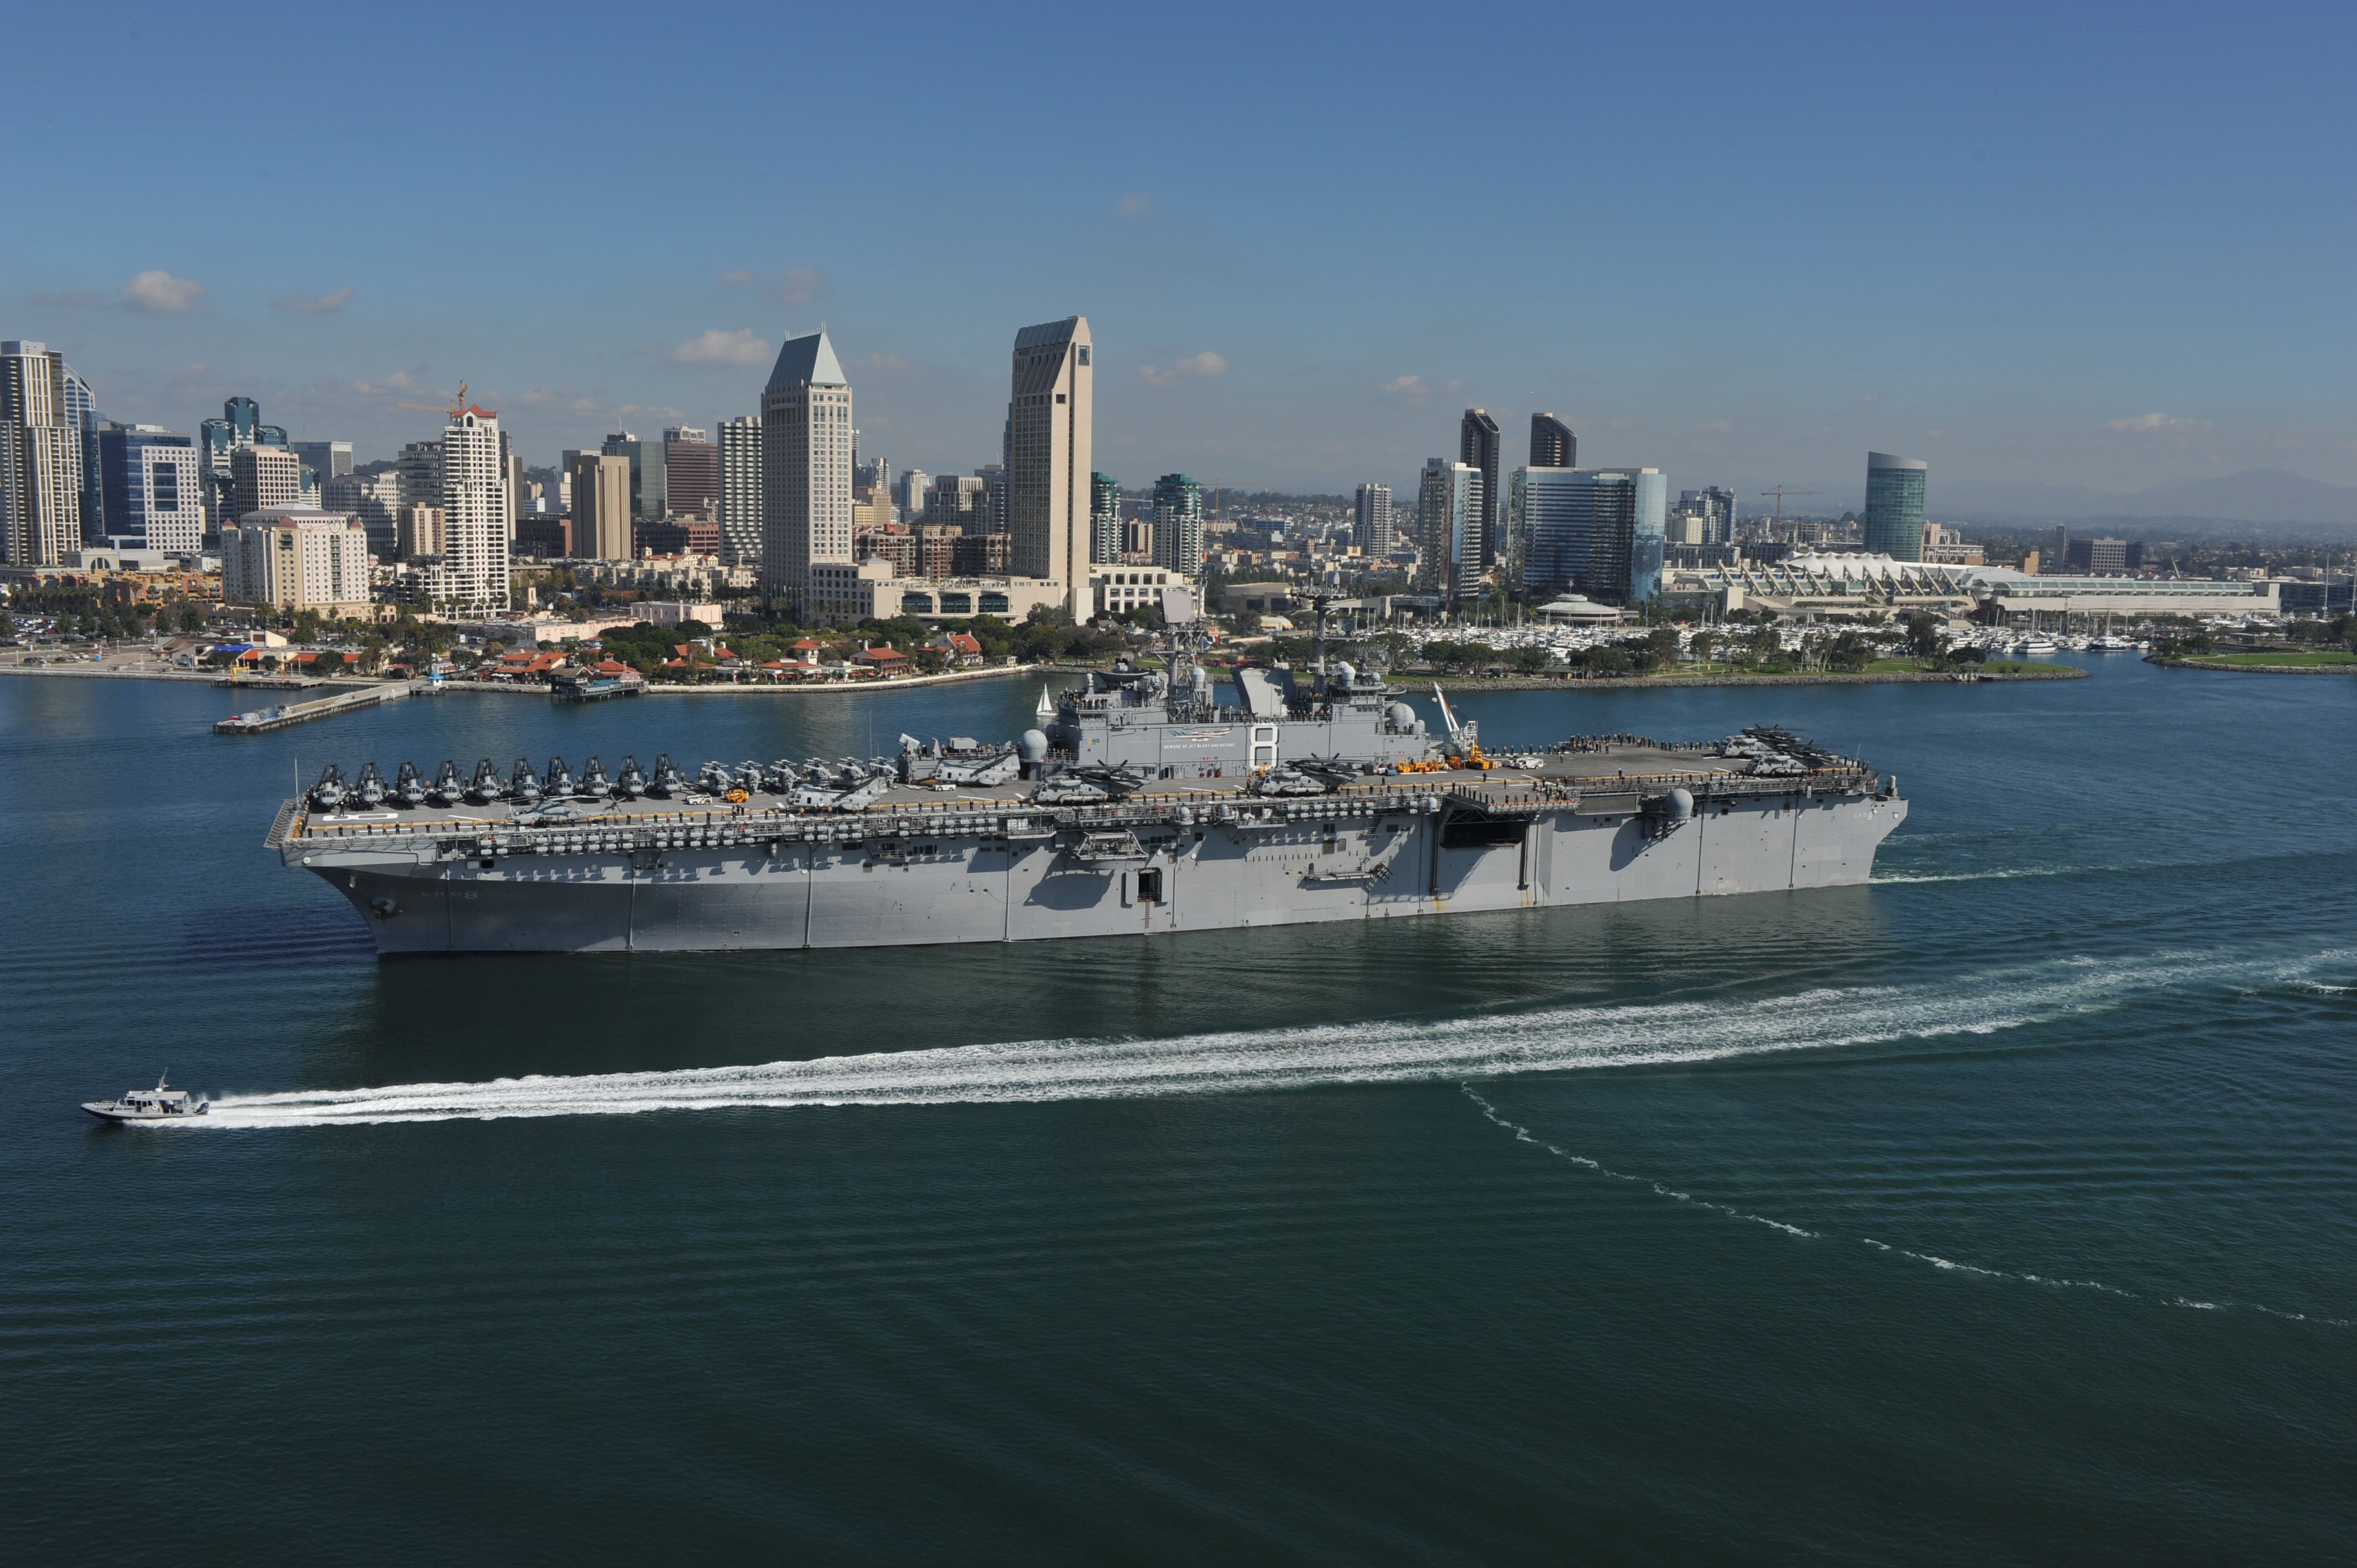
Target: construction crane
456,407
1780,492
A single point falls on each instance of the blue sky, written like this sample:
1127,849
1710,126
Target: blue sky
2100,245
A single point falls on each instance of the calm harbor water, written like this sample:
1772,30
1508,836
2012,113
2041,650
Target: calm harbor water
2005,1209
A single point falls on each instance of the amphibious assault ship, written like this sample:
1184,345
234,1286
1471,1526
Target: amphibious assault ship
1141,802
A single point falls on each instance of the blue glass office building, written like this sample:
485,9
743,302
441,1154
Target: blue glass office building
152,484
1894,506
1597,532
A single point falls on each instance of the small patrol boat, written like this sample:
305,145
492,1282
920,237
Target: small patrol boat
160,1103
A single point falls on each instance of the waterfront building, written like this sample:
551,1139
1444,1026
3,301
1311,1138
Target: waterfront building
151,488
1894,504
42,469
601,505
1599,531
740,490
1104,518
1050,436
475,504
374,498
1449,530
1372,522
297,558
690,470
1477,448
1178,525
1554,445
264,477
806,561
1839,585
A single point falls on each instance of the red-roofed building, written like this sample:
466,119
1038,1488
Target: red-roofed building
963,646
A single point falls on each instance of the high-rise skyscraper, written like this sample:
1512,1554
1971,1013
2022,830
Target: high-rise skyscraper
239,425
690,470
374,498
1894,504
646,473
1105,517
1477,448
806,561
909,489
1553,443
1714,511
1372,526
262,477
325,460
1449,530
1049,440
151,487
958,500
41,469
740,492
1599,531
420,467
475,512
601,505
1178,525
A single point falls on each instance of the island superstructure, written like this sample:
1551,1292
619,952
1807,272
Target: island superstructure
1140,804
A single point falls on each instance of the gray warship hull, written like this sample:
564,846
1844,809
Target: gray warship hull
706,874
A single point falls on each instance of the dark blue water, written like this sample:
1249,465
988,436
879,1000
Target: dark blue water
2003,1210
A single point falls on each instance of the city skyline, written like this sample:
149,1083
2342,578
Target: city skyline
2048,252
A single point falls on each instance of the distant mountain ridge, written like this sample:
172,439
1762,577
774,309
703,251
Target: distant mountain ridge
2254,495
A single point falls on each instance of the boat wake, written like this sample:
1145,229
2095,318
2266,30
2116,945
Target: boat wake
1945,1265
1476,1045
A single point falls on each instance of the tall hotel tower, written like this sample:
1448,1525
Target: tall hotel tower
40,456
1894,504
806,565
475,519
1049,452
740,490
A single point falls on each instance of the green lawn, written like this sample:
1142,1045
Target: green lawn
2321,660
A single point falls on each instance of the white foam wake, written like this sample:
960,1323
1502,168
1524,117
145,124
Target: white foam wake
1479,1046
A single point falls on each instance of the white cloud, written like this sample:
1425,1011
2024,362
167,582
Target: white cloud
2157,424
157,289
1136,204
718,348
1715,427
317,303
740,276
1195,367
